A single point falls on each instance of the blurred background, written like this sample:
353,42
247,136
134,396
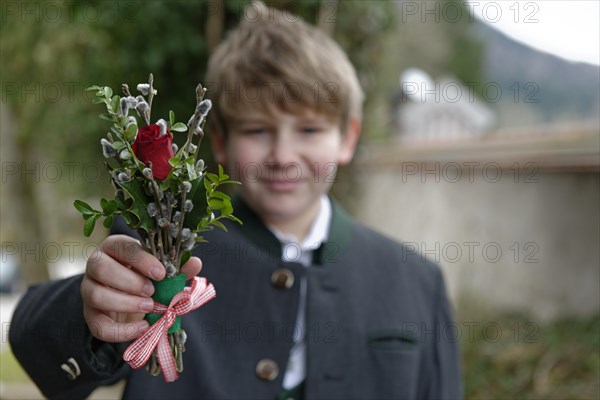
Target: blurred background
481,151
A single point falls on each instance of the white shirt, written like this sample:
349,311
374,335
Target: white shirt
292,251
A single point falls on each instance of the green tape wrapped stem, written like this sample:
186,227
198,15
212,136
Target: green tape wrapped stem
164,291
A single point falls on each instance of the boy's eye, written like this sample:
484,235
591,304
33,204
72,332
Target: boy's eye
311,129
254,131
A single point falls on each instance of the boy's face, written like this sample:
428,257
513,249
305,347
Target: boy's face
285,161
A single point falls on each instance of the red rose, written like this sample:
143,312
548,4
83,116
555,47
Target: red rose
150,146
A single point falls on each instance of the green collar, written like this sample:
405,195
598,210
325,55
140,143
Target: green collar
255,230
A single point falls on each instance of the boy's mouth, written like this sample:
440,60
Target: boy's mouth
281,185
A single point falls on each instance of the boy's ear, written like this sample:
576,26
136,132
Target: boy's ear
218,147
349,141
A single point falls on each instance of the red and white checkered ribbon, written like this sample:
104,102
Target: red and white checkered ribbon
191,298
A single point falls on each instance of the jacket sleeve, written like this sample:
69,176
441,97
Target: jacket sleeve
445,381
51,340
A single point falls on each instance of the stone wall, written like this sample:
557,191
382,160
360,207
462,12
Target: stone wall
514,224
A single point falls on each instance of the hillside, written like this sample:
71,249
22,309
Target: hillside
543,88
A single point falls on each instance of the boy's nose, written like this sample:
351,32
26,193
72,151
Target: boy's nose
283,150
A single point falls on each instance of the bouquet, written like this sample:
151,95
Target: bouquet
165,193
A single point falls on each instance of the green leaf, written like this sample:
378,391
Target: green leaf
222,175
84,207
115,103
185,257
205,228
203,222
219,224
108,221
179,127
118,145
220,195
123,204
106,117
227,210
174,161
212,177
95,87
128,218
197,195
230,182
164,185
171,118
207,185
235,219
138,208
200,239
108,91
130,132
109,207
191,170
90,224
123,120
215,204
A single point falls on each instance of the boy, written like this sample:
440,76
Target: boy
310,303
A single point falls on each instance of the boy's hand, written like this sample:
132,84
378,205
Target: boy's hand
116,288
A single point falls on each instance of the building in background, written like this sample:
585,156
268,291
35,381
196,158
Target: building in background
424,109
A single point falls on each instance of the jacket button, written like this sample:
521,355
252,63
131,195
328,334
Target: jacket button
282,278
267,369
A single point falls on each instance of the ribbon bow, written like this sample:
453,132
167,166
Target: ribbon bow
191,298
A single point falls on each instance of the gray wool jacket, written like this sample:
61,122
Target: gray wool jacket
376,314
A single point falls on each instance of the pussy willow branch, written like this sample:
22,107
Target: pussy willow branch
180,222
200,136
151,236
172,250
193,122
159,214
151,92
125,88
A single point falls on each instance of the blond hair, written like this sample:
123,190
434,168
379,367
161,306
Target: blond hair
275,59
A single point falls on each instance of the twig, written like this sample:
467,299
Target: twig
125,88
180,222
152,244
200,136
159,214
151,92
193,122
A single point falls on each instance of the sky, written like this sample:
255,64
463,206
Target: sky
569,29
